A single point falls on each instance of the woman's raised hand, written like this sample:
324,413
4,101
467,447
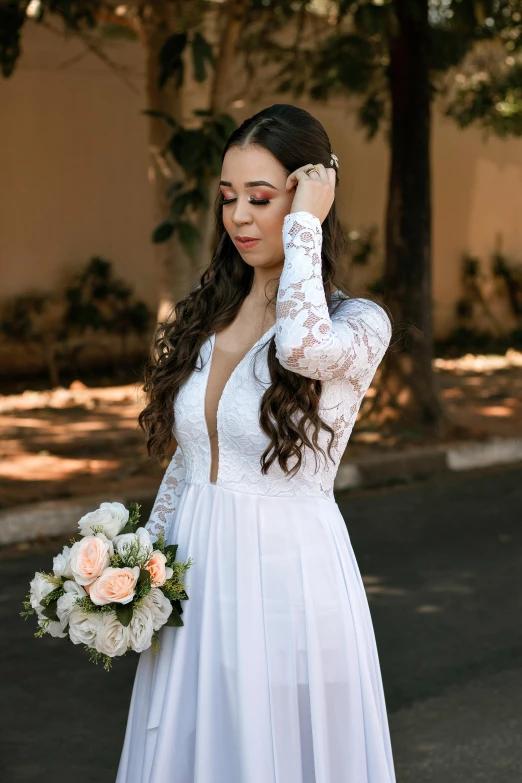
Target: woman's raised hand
315,192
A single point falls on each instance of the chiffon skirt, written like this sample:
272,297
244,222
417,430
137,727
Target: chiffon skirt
274,677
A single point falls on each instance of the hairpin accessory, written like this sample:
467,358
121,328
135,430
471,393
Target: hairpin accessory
334,161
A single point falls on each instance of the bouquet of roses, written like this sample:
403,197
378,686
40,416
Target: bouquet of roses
111,590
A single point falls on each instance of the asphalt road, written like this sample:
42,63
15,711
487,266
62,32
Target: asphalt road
442,563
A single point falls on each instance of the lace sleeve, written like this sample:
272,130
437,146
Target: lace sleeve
166,503
348,344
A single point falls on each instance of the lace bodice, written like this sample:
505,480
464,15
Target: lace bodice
341,347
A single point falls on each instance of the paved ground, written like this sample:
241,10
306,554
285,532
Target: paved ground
468,733
441,562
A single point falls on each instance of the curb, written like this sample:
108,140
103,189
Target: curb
412,464
58,517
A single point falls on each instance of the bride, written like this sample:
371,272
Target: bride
274,676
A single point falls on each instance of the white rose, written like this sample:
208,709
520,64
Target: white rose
140,539
112,637
66,601
62,563
39,588
112,516
159,605
140,629
53,627
83,626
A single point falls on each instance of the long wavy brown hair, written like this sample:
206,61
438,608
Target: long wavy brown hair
295,138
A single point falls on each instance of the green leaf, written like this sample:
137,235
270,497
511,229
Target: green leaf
183,201
50,611
372,112
163,231
124,613
170,59
201,53
174,619
188,148
188,236
225,124
345,62
447,48
202,189
177,606
161,115
52,597
370,20
117,32
172,548
144,575
174,187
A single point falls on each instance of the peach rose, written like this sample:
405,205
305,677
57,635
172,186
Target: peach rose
159,571
89,557
115,584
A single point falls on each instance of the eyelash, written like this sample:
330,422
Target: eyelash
256,202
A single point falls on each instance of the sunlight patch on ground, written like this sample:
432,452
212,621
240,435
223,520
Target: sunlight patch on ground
496,410
66,398
375,586
428,609
481,363
28,467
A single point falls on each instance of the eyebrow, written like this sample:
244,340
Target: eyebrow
250,184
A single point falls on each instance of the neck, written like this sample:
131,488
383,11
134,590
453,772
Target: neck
265,282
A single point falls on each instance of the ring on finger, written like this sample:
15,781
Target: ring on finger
312,168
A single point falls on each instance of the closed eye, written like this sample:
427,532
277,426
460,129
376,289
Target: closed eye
256,202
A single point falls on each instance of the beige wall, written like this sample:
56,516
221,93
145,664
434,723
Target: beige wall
477,199
73,169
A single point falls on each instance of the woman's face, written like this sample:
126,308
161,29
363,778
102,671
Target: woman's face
255,203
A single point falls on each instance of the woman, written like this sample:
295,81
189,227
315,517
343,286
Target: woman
274,676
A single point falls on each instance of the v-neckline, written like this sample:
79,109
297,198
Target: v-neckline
212,342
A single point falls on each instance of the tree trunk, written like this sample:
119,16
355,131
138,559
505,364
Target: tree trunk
410,395
49,350
176,271
231,20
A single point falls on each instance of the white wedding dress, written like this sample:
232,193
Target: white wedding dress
274,676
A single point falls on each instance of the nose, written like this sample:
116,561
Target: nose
242,212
